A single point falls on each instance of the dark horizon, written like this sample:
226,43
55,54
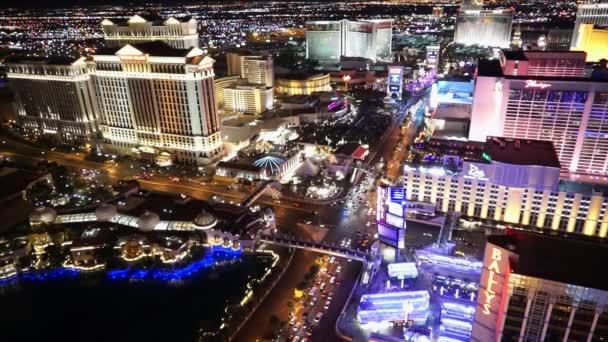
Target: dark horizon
89,3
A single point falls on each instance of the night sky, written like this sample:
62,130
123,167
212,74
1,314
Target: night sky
70,3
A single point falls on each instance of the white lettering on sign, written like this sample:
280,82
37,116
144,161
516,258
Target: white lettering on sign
494,269
535,84
475,173
132,58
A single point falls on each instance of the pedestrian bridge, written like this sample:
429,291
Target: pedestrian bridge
319,247
269,186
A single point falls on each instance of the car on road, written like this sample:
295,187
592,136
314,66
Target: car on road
327,303
332,280
293,321
296,327
313,301
318,317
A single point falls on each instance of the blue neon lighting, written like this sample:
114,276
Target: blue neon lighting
397,195
219,254
210,259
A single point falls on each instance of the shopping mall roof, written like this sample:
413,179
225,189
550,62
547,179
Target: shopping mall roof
567,258
239,166
519,55
498,149
353,150
521,151
489,68
515,55
492,68
301,75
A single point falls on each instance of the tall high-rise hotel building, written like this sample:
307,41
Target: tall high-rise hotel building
476,26
54,96
542,287
153,98
545,96
178,33
327,41
145,96
589,12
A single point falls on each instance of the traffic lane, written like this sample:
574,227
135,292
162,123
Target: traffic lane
259,325
290,210
316,304
325,330
321,296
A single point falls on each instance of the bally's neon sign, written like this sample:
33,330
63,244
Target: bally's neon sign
489,292
535,84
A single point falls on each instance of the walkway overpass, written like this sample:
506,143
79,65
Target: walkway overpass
267,186
319,247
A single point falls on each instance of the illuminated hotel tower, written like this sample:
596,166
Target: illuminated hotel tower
157,100
180,33
484,27
589,12
328,40
542,287
471,4
54,96
545,95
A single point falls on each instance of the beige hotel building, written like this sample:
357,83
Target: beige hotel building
154,99
505,181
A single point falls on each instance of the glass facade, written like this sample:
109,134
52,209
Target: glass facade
595,141
323,45
544,310
546,115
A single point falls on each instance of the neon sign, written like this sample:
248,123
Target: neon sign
475,173
535,84
489,292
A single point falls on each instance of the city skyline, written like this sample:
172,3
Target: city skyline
403,170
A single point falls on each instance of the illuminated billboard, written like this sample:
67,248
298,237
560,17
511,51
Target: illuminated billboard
391,235
395,82
403,270
432,56
394,307
390,215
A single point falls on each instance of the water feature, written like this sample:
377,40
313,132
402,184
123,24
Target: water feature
126,304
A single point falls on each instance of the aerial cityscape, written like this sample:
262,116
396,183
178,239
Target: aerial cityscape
291,171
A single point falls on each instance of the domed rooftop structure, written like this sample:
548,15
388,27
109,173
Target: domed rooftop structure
204,220
271,163
43,215
105,212
147,221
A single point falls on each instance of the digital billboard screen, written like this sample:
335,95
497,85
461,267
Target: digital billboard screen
394,220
